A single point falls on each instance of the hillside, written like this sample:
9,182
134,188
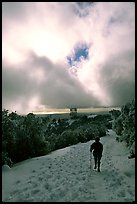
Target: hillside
65,176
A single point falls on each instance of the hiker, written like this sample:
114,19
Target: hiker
97,153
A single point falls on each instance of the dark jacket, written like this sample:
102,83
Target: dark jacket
97,147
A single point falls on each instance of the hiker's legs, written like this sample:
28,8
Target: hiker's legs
95,159
99,161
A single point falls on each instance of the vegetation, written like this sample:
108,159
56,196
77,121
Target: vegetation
29,136
124,123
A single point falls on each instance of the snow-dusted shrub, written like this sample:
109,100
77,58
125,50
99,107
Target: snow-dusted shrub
9,128
22,137
102,130
117,125
124,124
115,113
66,138
6,160
34,135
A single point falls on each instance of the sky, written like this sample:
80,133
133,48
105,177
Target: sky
65,175
67,54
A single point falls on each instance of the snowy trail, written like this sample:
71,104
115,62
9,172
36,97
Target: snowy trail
65,176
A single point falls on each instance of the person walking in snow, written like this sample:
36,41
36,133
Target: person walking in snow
97,148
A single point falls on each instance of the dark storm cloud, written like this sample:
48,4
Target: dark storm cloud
11,10
17,86
60,89
81,9
118,78
55,87
51,30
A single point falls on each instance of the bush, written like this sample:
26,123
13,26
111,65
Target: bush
124,124
6,159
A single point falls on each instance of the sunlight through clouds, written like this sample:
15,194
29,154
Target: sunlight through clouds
80,54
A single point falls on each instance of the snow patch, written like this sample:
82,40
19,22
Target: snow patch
65,176
5,168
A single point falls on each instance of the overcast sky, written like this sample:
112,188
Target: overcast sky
65,54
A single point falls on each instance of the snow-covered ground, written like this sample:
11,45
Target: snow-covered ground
65,175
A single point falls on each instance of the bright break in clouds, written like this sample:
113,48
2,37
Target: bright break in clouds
64,54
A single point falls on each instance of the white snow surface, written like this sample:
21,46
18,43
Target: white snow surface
65,176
